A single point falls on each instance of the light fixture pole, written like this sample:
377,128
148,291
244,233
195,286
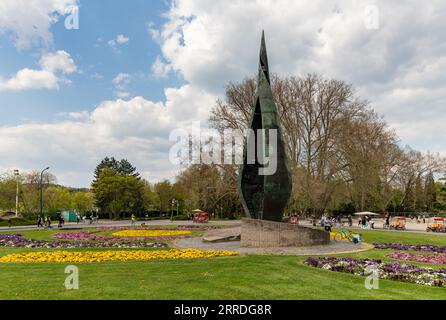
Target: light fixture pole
171,213
41,190
17,173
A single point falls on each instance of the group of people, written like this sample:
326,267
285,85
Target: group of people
329,222
365,222
93,218
43,221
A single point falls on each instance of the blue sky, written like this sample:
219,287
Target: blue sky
136,70
99,63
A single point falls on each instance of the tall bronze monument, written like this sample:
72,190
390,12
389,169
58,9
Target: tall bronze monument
264,195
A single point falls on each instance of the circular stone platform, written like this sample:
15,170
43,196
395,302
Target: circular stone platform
335,247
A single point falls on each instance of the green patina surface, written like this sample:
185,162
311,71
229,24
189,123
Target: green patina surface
264,196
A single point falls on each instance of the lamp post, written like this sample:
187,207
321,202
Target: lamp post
41,190
171,213
17,173
174,202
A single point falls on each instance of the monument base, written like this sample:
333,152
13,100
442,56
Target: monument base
265,234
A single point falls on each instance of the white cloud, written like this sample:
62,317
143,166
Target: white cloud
121,81
399,67
28,21
26,79
59,61
119,41
160,68
136,129
76,116
52,65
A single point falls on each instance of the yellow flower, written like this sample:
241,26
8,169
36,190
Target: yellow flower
101,256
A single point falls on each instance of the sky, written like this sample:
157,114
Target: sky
118,82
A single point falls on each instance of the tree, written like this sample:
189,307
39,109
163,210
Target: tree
341,152
83,202
326,128
151,199
209,187
165,195
57,198
117,188
30,190
123,166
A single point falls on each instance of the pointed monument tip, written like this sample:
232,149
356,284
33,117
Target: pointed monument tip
263,42
264,57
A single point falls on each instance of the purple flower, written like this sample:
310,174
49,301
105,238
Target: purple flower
17,240
391,270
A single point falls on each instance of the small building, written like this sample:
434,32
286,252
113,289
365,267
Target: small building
69,216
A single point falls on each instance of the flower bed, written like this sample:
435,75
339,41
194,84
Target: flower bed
391,271
88,235
438,258
18,240
409,247
151,233
102,256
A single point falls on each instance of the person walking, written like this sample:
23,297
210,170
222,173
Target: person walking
48,222
60,220
78,217
133,218
327,225
387,223
350,220
95,218
372,223
39,221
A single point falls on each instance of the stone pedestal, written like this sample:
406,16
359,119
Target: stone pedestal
266,234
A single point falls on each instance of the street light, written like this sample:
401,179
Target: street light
174,201
41,190
17,173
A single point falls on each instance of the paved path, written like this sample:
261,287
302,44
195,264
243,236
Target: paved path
335,247
221,234
125,223
410,227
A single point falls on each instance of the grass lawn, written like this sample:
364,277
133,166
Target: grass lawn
242,277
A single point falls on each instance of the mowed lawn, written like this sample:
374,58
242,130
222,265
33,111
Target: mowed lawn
241,277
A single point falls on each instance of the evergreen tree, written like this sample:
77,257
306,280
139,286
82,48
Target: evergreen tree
419,195
430,192
117,188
